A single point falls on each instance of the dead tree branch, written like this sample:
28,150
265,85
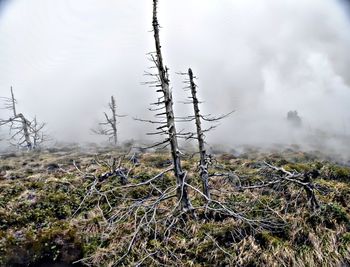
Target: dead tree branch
282,176
304,180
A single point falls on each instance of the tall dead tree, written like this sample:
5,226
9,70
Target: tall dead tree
109,126
166,118
26,133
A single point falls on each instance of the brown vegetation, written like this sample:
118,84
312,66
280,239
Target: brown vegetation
52,203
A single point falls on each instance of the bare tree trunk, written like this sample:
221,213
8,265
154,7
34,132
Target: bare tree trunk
203,164
25,128
182,193
114,120
26,133
24,121
13,103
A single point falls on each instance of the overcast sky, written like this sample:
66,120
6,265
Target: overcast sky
261,58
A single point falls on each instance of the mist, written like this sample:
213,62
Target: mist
261,58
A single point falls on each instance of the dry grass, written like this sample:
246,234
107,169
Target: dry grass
45,212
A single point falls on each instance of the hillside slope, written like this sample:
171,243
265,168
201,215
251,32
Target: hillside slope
67,206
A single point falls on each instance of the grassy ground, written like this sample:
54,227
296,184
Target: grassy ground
52,208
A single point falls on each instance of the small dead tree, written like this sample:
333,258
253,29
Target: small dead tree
109,126
205,158
24,132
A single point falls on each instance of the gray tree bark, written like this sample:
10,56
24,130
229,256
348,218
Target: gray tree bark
113,120
24,121
203,163
26,133
180,175
13,101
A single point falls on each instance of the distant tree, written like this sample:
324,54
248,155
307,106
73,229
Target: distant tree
294,119
24,133
109,126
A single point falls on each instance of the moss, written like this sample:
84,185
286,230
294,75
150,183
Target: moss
139,192
236,198
345,239
281,162
52,242
344,247
301,240
318,165
6,168
333,211
204,247
226,157
330,216
38,185
155,244
9,192
336,172
220,231
52,206
91,245
157,160
267,240
299,167
209,227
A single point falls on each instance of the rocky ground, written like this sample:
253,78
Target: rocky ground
64,206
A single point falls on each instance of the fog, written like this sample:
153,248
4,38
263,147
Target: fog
261,58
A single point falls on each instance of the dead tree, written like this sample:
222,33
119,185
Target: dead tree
109,126
26,133
205,159
203,162
168,125
294,119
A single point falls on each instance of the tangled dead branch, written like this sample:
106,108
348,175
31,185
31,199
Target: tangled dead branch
284,177
151,211
23,132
